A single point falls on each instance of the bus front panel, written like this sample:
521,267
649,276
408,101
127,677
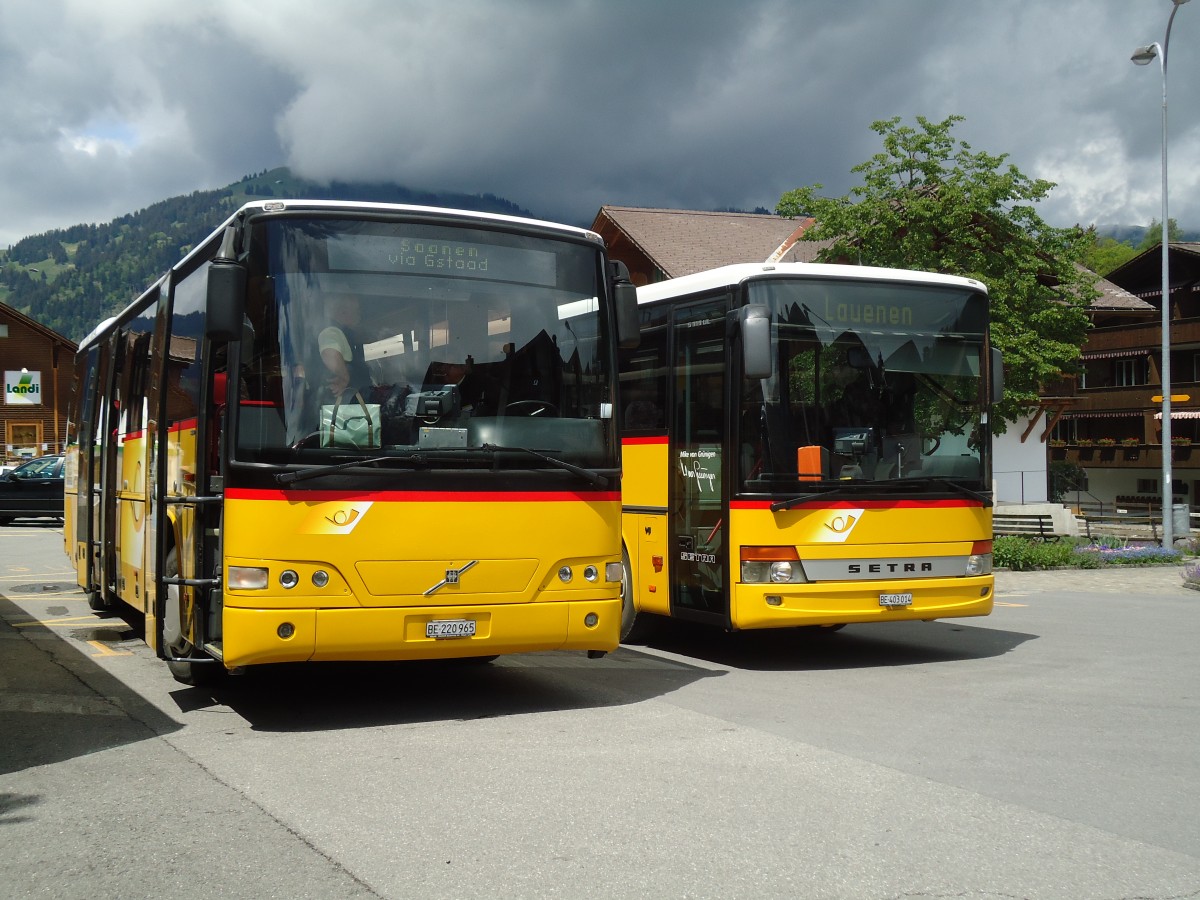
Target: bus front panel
867,562
369,575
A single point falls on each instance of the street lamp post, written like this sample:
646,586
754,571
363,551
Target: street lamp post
1142,56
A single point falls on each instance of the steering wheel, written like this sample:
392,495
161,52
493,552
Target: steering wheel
531,408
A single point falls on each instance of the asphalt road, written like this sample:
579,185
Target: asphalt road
1048,751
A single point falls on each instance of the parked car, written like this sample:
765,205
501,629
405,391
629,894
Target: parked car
32,490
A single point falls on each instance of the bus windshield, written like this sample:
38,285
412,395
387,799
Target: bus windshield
368,337
874,383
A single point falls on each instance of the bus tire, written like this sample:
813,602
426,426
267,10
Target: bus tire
635,629
205,670
97,602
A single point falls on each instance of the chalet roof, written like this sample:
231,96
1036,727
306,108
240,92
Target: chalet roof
16,315
1115,298
682,241
1142,274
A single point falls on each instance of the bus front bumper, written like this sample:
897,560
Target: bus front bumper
254,636
826,603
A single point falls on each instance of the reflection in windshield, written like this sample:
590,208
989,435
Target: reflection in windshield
376,337
873,382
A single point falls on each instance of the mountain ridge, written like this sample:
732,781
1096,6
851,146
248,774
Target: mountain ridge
69,279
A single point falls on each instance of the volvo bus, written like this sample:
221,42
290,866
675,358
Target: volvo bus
808,445
450,489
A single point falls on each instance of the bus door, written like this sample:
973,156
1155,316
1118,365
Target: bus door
699,430
113,417
91,459
184,512
89,378
130,517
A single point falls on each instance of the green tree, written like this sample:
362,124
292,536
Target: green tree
1103,254
929,202
1153,236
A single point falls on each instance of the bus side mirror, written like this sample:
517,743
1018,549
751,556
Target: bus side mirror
226,298
997,375
755,322
629,329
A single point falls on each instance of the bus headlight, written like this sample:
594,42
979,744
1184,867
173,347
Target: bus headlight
781,572
772,565
979,564
248,578
612,572
980,560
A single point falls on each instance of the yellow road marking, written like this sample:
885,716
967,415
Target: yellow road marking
103,650
72,621
25,576
1002,603
47,597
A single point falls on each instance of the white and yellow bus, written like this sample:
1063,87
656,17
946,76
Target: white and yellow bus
808,445
454,492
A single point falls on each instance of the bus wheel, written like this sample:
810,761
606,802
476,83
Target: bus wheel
635,629
97,601
204,670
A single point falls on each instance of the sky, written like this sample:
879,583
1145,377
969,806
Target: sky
562,106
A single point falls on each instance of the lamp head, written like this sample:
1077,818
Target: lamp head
1143,55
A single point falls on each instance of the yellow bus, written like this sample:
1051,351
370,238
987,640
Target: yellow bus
808,445
354,431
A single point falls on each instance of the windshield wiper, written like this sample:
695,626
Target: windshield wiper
593,477
318,471
946,481
835,494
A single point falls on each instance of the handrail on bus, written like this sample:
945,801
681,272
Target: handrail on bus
196,500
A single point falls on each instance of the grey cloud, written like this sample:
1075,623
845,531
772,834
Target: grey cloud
564,107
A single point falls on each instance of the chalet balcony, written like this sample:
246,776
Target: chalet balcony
1142,335
1123,455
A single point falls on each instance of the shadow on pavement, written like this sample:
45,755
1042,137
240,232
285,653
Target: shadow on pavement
56,703
320,696
854,647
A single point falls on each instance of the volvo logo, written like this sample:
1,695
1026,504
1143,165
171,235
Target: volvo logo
452,577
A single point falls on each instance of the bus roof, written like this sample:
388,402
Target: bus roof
730,276
280,205
271,205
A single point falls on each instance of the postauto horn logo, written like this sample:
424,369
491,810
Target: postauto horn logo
23,388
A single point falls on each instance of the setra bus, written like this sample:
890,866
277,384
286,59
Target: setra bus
808,445
356,431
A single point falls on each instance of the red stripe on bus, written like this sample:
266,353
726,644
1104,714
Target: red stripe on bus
655,439
423,496
861,504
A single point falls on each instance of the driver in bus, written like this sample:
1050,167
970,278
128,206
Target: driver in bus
342,350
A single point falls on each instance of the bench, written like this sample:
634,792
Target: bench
1125,526
1031,525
